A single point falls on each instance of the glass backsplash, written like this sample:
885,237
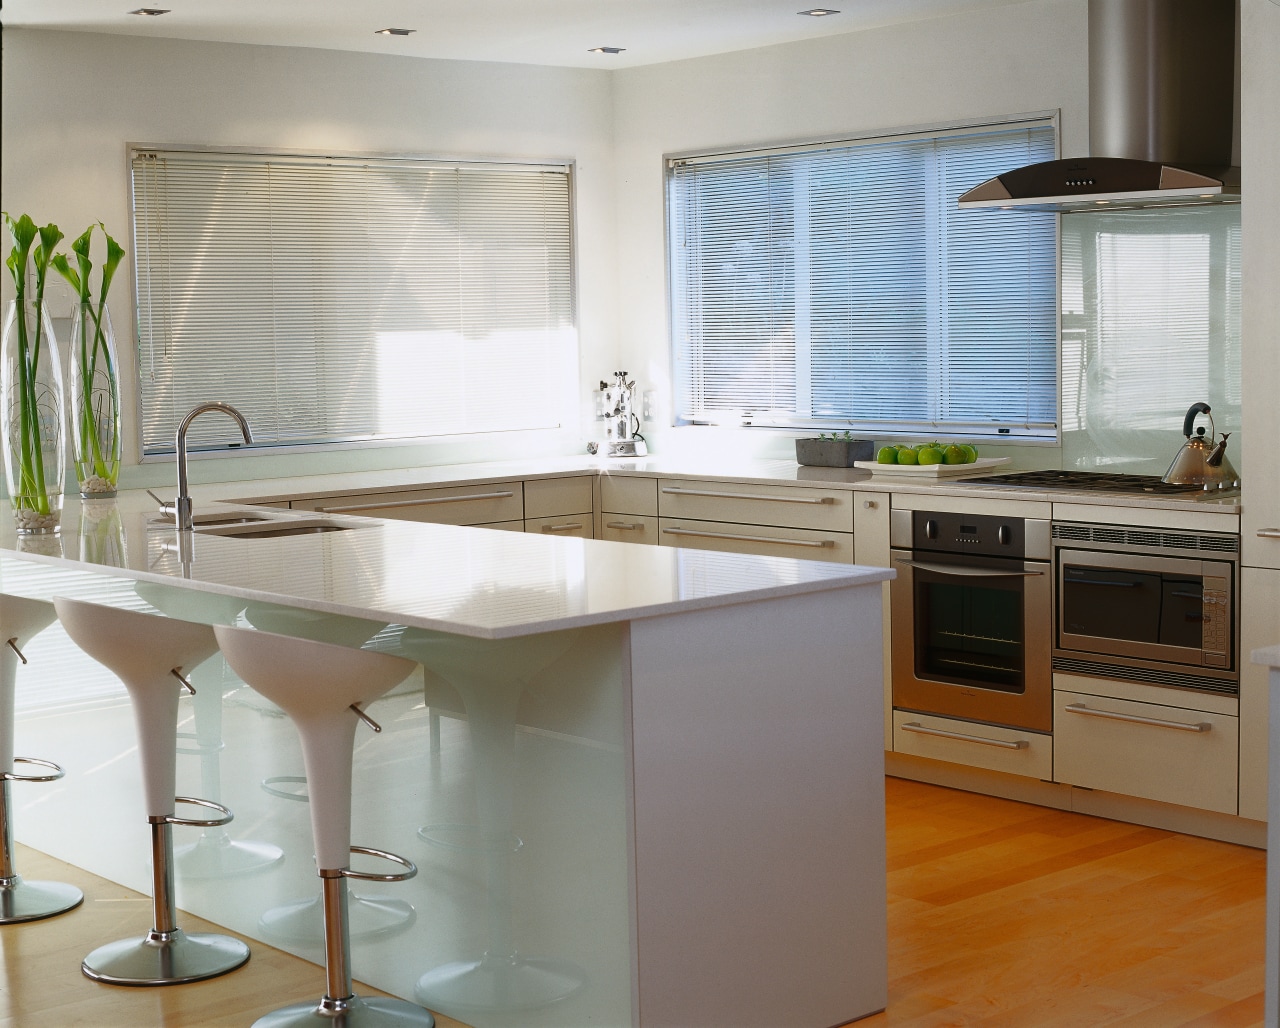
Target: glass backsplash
1150,325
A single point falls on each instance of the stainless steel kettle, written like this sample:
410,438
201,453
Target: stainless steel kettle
1202,461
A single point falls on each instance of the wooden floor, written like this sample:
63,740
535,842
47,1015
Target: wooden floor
41,985
1000,914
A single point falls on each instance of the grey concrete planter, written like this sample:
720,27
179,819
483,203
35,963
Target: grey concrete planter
834,453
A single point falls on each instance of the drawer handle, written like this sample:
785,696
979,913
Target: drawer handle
673,491
1004,744
813,543
1269,533
1138,719
561,528
416,503
625,526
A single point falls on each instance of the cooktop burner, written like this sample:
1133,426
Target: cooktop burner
1090,481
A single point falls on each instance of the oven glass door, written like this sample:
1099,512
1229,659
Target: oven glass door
1142,606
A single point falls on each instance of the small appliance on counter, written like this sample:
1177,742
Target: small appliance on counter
622,424
1202,462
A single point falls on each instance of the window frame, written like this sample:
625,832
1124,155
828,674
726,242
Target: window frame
739,419
567,416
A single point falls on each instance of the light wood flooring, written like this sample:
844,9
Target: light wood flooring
1001,915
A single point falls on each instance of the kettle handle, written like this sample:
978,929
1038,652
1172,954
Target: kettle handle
1188,423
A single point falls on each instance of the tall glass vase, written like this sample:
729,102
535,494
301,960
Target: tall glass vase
94,399
31,422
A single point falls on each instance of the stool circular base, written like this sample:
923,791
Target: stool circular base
31,901
374,1012
493,984
368,916
219,856
178,958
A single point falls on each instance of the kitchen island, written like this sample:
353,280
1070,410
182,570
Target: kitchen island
662,806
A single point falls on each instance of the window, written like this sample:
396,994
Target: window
335,299
839,286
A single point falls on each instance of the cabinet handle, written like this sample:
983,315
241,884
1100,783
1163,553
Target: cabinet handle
673,491
1138,719
813,543
625,526
1004,744
416,503
1269,533
868,504
561,528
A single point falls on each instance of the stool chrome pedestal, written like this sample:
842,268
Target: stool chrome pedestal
148,654
22,900
320,686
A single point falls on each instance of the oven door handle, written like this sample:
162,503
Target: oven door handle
964,572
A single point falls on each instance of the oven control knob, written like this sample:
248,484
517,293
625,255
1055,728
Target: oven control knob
1004,535
931,529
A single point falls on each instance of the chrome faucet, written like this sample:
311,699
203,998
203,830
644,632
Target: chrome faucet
181,507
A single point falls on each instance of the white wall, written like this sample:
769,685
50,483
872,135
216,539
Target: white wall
72,102
1012,60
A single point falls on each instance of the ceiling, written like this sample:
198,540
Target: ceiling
550,32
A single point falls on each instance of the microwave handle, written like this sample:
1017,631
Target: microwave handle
963,572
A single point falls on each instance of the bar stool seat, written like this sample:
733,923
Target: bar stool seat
320,686
20,620
148,654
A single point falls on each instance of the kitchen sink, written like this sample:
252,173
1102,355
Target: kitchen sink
214,518
273,529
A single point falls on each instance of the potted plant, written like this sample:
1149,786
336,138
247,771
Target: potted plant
31,425
95,383
834,450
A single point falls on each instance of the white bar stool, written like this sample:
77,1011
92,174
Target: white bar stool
320,686
20,619
148,654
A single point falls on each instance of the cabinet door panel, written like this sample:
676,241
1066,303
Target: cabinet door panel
628,528
1010,750
624,495
551,497
760,539
1259,626
786,506
577,525
452,505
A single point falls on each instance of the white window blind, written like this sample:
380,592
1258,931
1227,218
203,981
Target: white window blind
336,299
840,286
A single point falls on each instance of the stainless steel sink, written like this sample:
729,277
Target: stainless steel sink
215,518
273,529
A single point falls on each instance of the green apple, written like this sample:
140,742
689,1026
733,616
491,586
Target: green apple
970,453
908,456
929,455
954,455
887,455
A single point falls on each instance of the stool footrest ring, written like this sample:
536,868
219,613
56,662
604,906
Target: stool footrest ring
195,822
14,776
402,876
272,787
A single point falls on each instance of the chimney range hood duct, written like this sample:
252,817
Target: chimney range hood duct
1161,100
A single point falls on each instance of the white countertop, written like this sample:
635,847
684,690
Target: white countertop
762,472
467,581
1268,655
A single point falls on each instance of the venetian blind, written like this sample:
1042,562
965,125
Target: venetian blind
840,286
335,299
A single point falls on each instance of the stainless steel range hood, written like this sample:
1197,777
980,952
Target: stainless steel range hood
1162,90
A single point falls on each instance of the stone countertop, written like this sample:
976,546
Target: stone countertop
465,581
760,472
1268,655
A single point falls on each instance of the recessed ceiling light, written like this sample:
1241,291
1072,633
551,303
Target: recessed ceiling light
606,49
394,32
818,12
150,12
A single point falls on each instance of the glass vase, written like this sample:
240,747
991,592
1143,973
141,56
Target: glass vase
94,399
31,421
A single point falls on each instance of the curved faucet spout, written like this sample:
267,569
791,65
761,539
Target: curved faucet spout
182,505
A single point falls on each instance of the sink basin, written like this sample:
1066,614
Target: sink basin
215,518
273,529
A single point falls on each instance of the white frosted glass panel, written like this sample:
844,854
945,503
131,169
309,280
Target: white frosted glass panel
1151,324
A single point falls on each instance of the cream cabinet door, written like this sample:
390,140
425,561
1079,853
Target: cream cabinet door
1259,626
767,540
1011,750
551,497
629,528
830,510
871,546
577,525
451,505
1156,752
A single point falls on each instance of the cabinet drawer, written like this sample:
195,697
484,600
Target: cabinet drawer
788,506
451,505
550,497
620,495
578,525
1010,750
767,540
1157,752
629,528
505,526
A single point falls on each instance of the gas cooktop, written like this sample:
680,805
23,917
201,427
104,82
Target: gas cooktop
1087,481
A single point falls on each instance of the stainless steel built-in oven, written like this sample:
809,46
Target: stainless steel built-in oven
1147,605
972,618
